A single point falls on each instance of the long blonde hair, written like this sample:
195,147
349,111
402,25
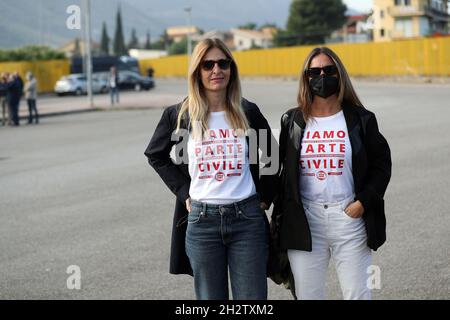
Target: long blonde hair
196,104
346,91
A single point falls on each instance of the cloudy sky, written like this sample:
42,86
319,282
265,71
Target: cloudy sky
360,5
43,22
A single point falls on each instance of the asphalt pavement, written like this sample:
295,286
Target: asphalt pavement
76,190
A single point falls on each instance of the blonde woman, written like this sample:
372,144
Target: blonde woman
336,168
218,187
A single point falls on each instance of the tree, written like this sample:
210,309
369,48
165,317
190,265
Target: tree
248,26
77,49
134,42
31,53
180,47
311,22
119,41
148,43
104,42
162,43
285,38
268,25
255,46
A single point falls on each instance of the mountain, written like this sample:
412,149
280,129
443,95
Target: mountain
43,22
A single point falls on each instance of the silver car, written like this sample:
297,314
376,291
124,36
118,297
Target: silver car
77,84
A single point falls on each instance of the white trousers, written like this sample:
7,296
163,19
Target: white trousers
334,234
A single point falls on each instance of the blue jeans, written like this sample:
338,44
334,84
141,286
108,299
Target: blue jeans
234,237
114,93
32,109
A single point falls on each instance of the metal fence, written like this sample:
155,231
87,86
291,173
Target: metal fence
47,72
420,57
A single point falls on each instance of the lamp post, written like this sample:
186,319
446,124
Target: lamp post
189,23
87,4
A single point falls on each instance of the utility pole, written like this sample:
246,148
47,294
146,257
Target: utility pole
345,33
189,23
87,4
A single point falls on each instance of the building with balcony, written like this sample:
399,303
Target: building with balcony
225,36
357,29
250,39
403,19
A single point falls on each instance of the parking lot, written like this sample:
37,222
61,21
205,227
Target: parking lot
77,190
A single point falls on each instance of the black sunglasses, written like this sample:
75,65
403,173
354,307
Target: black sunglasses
328,70
223,64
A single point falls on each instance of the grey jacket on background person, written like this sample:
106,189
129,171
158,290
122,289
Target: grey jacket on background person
30,88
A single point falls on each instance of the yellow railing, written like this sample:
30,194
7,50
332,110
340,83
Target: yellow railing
427,57
176,66
47,72
422,57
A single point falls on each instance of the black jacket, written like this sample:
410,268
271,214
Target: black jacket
13,91
177,178
371,161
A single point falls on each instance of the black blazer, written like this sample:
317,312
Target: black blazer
371,160
177,178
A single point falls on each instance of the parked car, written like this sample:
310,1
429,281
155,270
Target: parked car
133,80
77,84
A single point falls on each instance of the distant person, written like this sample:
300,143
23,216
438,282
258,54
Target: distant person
150,72
30,90
19,80
14,93
337,166
114,85
3,101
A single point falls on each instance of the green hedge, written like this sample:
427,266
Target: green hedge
31,53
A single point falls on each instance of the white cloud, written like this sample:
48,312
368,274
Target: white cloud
360,5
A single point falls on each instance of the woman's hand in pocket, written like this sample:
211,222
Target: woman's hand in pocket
354,210
264,206
188,205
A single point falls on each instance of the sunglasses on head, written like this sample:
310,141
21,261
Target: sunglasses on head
223,64
327,70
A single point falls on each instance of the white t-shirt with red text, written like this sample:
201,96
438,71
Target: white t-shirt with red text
326,160
218,165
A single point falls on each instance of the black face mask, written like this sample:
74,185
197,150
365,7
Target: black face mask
324,86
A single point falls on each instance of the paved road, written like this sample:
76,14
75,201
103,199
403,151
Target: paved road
76,190
50,105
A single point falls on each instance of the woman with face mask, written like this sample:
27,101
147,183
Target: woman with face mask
220,226
336,166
